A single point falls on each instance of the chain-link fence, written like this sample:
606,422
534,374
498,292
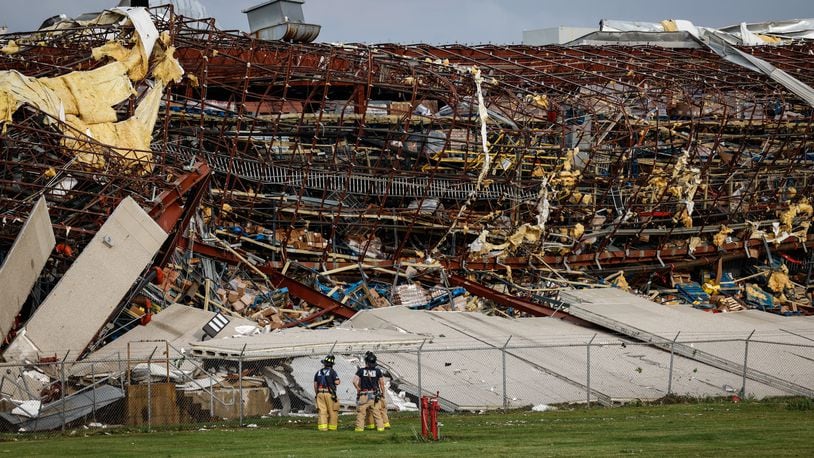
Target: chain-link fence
154,385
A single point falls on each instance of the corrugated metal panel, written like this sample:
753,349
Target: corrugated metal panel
289,31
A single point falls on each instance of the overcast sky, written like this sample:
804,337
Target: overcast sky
447,21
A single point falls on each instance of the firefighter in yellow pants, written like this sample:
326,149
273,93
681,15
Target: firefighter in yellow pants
325,383
369,389
381,406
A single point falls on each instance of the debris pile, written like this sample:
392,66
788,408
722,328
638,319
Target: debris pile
149,160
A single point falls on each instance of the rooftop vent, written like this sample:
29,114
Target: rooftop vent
281,20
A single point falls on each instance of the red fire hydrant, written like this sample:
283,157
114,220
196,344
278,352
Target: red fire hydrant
429,416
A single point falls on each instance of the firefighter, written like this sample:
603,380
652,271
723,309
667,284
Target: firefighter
369,390
381,406
325,383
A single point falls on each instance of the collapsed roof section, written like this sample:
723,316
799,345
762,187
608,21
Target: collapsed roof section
472,157
750,34
585,152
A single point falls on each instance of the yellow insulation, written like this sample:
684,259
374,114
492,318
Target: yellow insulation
112,49
91,94
85,100
669,25
779,280
684,218
16,89
719,239
693,243
130,138
575,232
621,282
541,100
10,48
133,58
168,69
769,39
525,233
754,291
802,208
711,288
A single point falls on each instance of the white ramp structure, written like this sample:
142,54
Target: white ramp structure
89,292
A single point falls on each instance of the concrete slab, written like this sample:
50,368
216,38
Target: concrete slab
302,342
24,263
89,292
781,353
546,362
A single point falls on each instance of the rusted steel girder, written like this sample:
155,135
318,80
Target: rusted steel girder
168,207
613,261
518,303
308,294
295,288
172,213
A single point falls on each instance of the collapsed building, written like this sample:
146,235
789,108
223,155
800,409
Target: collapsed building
150,159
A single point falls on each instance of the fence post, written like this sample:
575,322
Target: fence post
93,389
588,370
420,386
62,387
211,395
745,362
670,374
121,372
150,390
503,356
125,387
240,381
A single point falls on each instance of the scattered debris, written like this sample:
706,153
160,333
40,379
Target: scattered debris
171,201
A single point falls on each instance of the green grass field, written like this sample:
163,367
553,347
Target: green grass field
721,428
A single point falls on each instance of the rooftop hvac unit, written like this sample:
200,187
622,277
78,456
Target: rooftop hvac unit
281,20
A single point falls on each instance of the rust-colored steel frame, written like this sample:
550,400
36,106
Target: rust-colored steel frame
358,153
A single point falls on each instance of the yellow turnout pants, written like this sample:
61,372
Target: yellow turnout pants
364,405
382,408
327,412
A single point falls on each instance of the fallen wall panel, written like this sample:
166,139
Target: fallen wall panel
87,295
24,264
